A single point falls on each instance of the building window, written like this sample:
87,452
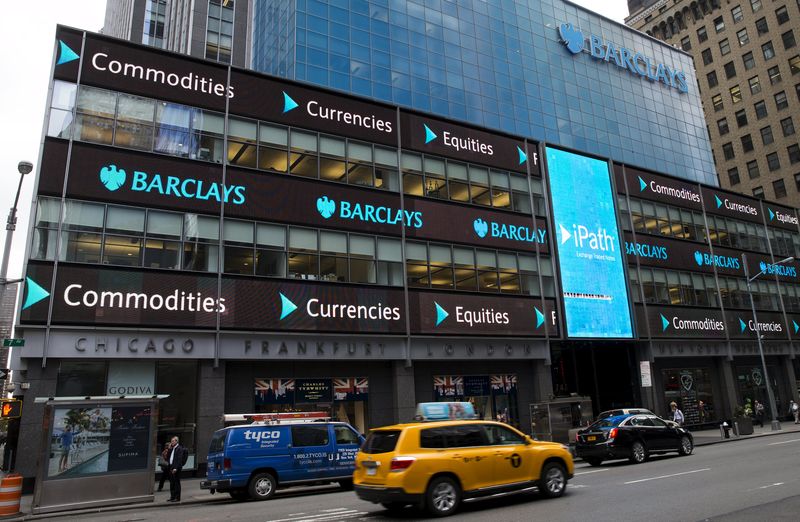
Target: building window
707,58
766,135
794,153
716,100
782,15
719,24
761,109
773,161
787,125
219,32
154,18
702,35
712,79
81,379
742,36
774,74
722,126
737,14
736,94
741,118
730,70
733,176
755,85
749,61
780,188
756,5
686,43
794,64
788,39
747,143
797,90
797,181
727,151
752,169
768,50
761,26
758,192
781,101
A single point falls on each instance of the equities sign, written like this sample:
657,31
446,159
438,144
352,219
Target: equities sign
589,246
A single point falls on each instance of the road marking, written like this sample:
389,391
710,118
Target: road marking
340,512
295,514
667,476
588,472
573,486
783,442
332,510
771,485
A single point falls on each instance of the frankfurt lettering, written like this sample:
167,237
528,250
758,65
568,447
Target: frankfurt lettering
190,82
177,301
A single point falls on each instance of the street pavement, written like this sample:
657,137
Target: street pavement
740,479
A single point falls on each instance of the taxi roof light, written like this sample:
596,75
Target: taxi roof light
439,411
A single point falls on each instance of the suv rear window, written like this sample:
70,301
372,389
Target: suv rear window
453,437
217,442
382,441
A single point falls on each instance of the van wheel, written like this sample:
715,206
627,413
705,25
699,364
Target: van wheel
638,453
262,486
553,480
346,485
442,497
239,494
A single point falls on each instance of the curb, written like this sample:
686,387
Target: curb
747,437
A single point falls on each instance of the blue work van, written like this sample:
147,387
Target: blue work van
253,460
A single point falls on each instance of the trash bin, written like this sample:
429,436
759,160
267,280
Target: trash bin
725,430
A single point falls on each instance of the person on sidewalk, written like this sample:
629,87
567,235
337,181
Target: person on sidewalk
794,409
177,459
759,409
677,414
163,463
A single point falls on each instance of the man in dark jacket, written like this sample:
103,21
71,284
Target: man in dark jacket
176,459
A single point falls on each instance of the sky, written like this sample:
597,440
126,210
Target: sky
30,25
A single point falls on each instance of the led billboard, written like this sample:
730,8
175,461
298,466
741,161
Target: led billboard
589,249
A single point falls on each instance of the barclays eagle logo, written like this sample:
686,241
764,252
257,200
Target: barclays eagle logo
326,207
112,177
481,227
572,38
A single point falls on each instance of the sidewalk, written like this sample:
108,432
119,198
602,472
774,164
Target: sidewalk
706,437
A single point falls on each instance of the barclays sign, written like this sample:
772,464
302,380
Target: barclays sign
635,62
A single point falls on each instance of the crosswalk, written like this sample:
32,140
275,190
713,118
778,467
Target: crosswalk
325,515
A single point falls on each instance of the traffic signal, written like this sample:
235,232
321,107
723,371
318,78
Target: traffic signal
11,409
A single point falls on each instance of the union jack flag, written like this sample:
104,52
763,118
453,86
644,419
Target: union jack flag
504,382
448,385
279,388
350,385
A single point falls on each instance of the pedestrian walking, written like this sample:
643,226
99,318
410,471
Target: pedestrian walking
177,459
759,409
794,409
66,447
677,414
163,463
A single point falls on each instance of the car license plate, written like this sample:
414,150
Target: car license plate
591,438
372,471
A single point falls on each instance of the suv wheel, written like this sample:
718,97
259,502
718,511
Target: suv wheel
443,497
686,446
638,453
262,486
553,480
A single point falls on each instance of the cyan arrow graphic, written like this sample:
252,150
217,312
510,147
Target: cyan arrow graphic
664,323
796,326
522,156
565,235
429,134
287,307
742,325
441,313
642,184
771,214
288,103
719,201
35,293
65,54
539,317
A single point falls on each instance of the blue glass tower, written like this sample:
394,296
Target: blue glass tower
500,64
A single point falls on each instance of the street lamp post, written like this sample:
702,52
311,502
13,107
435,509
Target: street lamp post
24,167
776,424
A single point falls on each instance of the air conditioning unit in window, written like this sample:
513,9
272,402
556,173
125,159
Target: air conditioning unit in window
204,154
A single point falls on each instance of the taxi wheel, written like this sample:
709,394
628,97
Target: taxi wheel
553,480
262,486
443,497
638,453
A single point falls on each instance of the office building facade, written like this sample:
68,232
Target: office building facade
748,69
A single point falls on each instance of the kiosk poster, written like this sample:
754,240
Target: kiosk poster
130,432
79,442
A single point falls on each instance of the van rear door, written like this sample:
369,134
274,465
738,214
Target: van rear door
312,451
344,457
216,451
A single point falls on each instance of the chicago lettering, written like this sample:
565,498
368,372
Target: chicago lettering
314,109
190,82
373,214
682,193
378,312
187,188
482,316
177,301
102,344
645,250
470,144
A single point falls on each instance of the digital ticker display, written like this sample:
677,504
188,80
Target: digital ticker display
588,242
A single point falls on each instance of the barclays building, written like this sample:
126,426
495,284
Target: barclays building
514,232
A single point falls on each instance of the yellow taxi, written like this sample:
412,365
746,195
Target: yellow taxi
437,464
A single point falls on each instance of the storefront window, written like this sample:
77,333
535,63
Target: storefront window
692,390
752,386
81,379
493,396
177,413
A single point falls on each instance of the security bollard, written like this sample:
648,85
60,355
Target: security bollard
725,430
